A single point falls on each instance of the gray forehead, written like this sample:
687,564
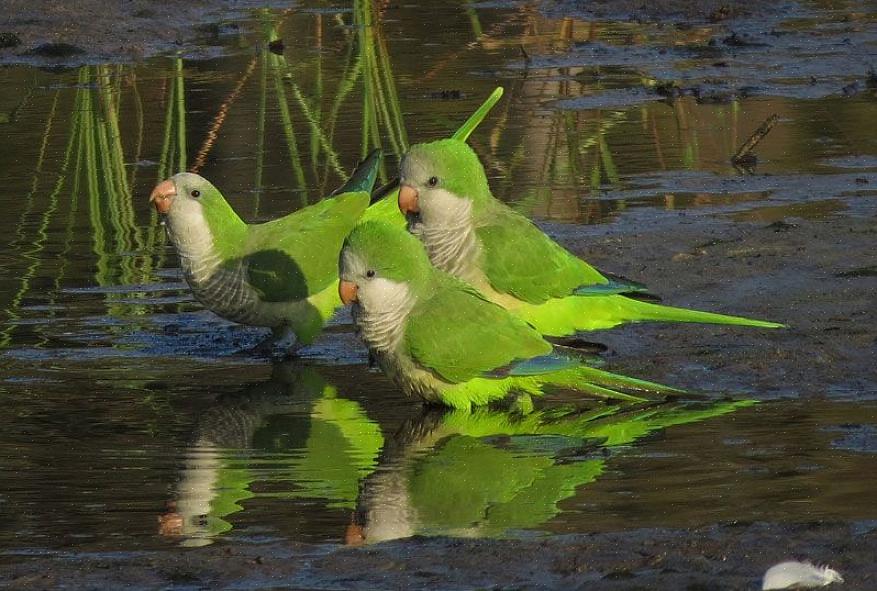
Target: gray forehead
187,179
351,263
412,167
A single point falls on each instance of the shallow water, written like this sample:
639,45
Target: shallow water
132,419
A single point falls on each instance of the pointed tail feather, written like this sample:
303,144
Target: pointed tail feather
566,316
364,175
604,384
607,393
645,311
475,119
619,381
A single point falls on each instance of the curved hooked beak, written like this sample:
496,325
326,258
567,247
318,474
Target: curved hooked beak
408,200
162,196
347,291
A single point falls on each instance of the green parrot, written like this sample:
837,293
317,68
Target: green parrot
475,237
281,274
441,340
488,472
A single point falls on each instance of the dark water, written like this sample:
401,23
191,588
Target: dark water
124,402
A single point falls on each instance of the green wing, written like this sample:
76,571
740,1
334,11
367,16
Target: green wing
460,335
520,260
297,256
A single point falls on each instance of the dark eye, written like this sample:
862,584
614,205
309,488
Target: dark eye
195,193
433,181
369,273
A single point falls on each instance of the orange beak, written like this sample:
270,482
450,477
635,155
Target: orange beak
162,196
408,200
354,536
347,291
170,524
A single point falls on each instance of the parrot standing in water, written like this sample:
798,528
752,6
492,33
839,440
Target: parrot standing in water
475,237
440,340
281,274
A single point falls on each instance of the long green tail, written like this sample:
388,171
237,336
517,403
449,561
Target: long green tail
640,311
478,116
567,316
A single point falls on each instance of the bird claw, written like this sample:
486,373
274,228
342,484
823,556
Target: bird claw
276,346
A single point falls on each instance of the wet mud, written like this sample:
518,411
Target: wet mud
56,34
722,557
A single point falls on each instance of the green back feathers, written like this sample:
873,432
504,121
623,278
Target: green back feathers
520,260
386,210
462,336
296,256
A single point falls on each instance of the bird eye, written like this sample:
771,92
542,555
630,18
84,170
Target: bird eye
433,181
369,273
195,193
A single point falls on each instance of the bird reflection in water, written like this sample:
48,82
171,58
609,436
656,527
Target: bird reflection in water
488,473
293,430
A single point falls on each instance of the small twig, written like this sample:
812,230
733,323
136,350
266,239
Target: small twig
219,119
744,154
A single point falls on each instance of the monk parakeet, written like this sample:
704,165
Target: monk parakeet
440,339
487,473
475,237
281,274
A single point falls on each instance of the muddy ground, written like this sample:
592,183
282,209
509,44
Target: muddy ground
53,33
818,275
726,557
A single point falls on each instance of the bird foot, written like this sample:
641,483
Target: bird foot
276,346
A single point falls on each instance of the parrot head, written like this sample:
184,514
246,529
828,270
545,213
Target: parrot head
192,206
184,192
439,183
381,268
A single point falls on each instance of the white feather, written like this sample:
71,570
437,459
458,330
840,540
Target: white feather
799,575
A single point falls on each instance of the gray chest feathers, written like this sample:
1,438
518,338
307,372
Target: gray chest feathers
223,288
